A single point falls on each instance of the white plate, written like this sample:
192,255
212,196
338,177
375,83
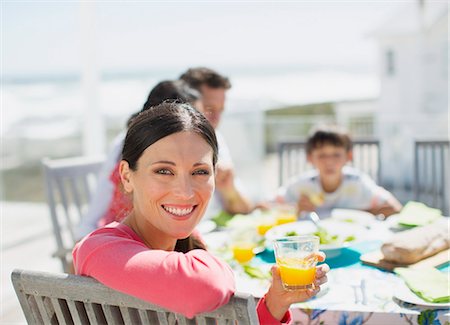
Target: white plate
353,216
404,294
306,227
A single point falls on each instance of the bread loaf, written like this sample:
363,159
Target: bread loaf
411,246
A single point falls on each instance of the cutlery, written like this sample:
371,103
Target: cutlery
315,219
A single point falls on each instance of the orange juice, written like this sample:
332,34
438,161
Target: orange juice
243,252
296,273
263,228
286,217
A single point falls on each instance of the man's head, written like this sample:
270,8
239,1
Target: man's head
213,87
329,149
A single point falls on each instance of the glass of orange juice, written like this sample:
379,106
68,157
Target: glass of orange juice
296,257
243,252
285,214
265,222
243,244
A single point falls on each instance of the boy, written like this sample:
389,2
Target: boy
332,184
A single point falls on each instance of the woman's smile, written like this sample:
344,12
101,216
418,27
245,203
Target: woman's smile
180,212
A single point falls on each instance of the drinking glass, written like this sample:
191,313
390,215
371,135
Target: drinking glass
243,244
296,257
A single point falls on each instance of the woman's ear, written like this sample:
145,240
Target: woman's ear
125,176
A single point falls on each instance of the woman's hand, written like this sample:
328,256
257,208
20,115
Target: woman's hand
278,300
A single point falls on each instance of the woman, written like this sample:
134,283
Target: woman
167,168
108,202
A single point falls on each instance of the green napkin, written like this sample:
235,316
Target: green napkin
417,214
428,283
222,219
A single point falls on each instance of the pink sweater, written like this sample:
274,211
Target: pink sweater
118,258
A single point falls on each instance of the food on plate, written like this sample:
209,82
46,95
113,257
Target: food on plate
316,199
256,272
413,245
325,237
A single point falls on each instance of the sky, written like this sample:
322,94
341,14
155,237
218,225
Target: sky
46,37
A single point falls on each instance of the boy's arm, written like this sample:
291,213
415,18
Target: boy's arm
388,206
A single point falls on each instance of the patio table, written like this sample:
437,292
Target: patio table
355,293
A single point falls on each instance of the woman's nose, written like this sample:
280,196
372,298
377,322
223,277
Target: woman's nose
184,188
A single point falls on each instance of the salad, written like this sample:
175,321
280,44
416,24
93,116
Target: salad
325,237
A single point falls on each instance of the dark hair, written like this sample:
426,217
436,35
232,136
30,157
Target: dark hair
329,135
176,90
196,77
159,122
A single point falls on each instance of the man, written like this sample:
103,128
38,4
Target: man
213,88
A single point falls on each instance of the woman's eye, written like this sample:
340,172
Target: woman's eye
201,172
163,171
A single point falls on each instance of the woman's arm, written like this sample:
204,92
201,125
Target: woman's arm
188,283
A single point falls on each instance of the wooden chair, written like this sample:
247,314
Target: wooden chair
432,173
69,185
48,298
292,158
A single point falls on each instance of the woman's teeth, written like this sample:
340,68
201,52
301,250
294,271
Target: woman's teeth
178,211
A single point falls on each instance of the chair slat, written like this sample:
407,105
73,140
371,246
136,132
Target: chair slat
126,315
36,316
432,173
43,309
164,318
143,317
112,314
91,313
61,311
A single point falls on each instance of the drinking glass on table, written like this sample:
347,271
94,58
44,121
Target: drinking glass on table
285,214
243,244
296,257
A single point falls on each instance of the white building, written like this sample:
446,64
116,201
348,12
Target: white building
413,102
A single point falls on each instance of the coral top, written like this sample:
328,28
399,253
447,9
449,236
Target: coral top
117,257
120,205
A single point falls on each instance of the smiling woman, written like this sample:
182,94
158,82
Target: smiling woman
167,167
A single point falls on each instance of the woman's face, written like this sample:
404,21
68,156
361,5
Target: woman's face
172,185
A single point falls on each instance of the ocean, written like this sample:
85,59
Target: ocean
51,108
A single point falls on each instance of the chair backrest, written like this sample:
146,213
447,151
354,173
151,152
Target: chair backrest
48,298
292,158
432,173
69,184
